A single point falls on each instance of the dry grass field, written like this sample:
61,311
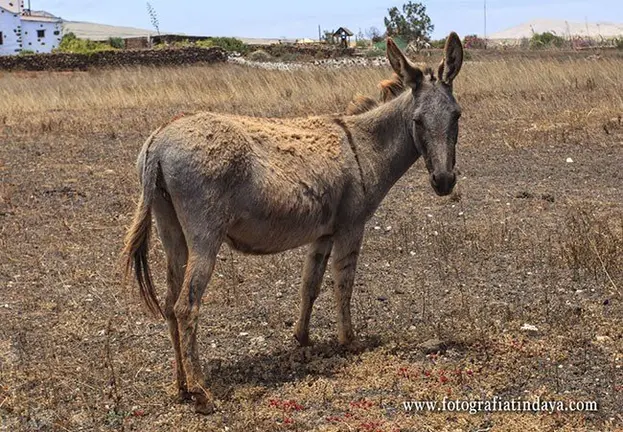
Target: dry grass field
528,238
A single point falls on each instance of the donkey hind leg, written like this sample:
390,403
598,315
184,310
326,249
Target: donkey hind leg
315,266
174,243
199,269
346,253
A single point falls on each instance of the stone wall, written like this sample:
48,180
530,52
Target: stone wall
104,59
318,51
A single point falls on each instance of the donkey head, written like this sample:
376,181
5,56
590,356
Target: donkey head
434,115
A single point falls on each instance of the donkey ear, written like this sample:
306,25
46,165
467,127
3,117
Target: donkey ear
453,59
409,74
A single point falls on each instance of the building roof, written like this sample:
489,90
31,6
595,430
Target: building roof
343,29
13,6
41,18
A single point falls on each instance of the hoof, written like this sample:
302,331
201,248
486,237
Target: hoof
183,396
302,339
354,346
203,405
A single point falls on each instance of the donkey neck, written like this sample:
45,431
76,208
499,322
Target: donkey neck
385,144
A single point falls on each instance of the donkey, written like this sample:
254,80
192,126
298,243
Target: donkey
264,186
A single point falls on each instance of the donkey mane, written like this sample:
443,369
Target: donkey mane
389,89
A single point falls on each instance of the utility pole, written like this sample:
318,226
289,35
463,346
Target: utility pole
485,23
319,34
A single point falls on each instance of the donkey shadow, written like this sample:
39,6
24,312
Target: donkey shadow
288,364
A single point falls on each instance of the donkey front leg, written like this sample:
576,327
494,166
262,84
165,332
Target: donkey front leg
198,272
346,252
315,266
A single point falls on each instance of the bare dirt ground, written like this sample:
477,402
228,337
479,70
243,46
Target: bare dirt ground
527,238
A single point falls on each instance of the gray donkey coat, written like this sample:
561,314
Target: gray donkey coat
268,185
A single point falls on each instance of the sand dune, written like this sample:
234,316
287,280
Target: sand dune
561,28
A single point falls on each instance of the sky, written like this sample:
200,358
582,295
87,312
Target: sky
298,19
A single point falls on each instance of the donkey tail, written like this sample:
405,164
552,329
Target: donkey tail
137,238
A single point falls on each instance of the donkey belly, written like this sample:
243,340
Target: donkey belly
261,237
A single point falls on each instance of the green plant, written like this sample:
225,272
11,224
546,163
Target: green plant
374,34
26,52
474,42
184,43
205,43
362,43
327,36
153,16
116,42
374,52
546,40
260,55
382,45
72,44
290,57
227,43
618,43
438,43
411,24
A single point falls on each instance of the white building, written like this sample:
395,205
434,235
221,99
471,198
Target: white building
23,30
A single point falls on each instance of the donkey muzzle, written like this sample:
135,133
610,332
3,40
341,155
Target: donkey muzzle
443,182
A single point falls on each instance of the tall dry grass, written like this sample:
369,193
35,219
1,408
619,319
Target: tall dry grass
138,99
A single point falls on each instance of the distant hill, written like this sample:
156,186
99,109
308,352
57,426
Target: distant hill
561,28
100,32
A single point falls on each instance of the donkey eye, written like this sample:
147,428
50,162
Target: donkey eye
418,121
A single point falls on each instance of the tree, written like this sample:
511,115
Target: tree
411,24
374,34
327,36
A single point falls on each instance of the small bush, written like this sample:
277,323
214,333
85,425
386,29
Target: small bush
72,44
546,40
291,57
26,52
374,52
116,42
618,43
474,42
205,43
260,56
229,44
438,43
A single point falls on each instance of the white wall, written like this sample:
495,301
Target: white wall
10,28
31,41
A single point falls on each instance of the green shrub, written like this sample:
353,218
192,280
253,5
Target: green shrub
546,40
260,56
402,44
72,44
205,43
116,42
26,52
278,50
474,42
291,57
229,44
438,43
374,52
